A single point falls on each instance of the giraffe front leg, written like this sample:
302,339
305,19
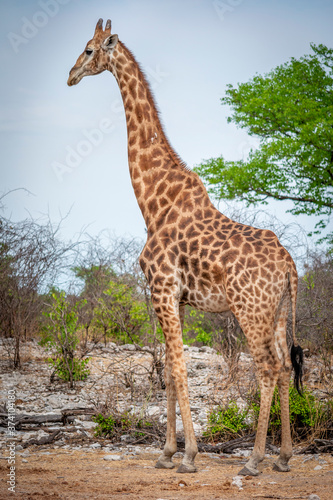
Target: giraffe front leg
180,378
176,381
170,448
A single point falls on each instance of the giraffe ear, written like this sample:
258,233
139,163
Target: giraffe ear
110,42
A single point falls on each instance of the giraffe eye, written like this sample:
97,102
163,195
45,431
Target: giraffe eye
89,52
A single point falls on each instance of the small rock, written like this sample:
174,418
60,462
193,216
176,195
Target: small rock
126,438
95,446
242,453
29,435
128,347
244,357
153,411
182,483
306,459
155,452
112,457
237,481
207,349
313,497
88,425
318,467
42,434
202,416
201,365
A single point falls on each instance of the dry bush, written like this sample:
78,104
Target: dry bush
32,257
315,312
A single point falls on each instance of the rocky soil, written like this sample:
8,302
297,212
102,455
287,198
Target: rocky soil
79,465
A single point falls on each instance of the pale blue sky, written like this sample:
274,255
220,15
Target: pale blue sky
190,50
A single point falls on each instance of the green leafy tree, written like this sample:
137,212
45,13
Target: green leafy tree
197,328
290,110
95,279
120,313
59,333
309,417
124,313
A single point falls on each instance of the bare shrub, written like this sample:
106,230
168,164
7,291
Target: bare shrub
32,257
315,310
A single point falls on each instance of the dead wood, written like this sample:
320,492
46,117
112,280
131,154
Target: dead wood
42,440
66,416
68,413
227,447
318,446
278,497
243,443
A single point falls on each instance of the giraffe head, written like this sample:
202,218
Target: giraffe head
96,56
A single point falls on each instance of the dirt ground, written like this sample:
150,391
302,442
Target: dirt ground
77,475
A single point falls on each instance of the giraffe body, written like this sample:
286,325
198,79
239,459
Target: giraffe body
195,255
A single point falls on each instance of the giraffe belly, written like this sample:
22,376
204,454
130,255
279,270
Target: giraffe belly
207,300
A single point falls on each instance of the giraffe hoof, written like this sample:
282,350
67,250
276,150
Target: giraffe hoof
186,469
248,471
164,464
281,467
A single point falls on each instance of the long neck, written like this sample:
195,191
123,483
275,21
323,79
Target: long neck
152,161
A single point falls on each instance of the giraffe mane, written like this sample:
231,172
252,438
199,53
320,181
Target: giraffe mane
151,99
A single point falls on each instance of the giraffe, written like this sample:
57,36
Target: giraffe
196,255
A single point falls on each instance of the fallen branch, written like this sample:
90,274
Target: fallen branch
33,419
244,443
66,416
227,447
68,413
318,446
42,440
277,496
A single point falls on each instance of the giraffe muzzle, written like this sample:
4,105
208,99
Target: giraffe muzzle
74,77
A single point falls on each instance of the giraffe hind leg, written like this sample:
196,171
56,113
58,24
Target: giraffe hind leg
267,384
280,329
268,368
286,451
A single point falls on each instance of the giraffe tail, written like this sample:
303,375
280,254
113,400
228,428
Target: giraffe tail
296,353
